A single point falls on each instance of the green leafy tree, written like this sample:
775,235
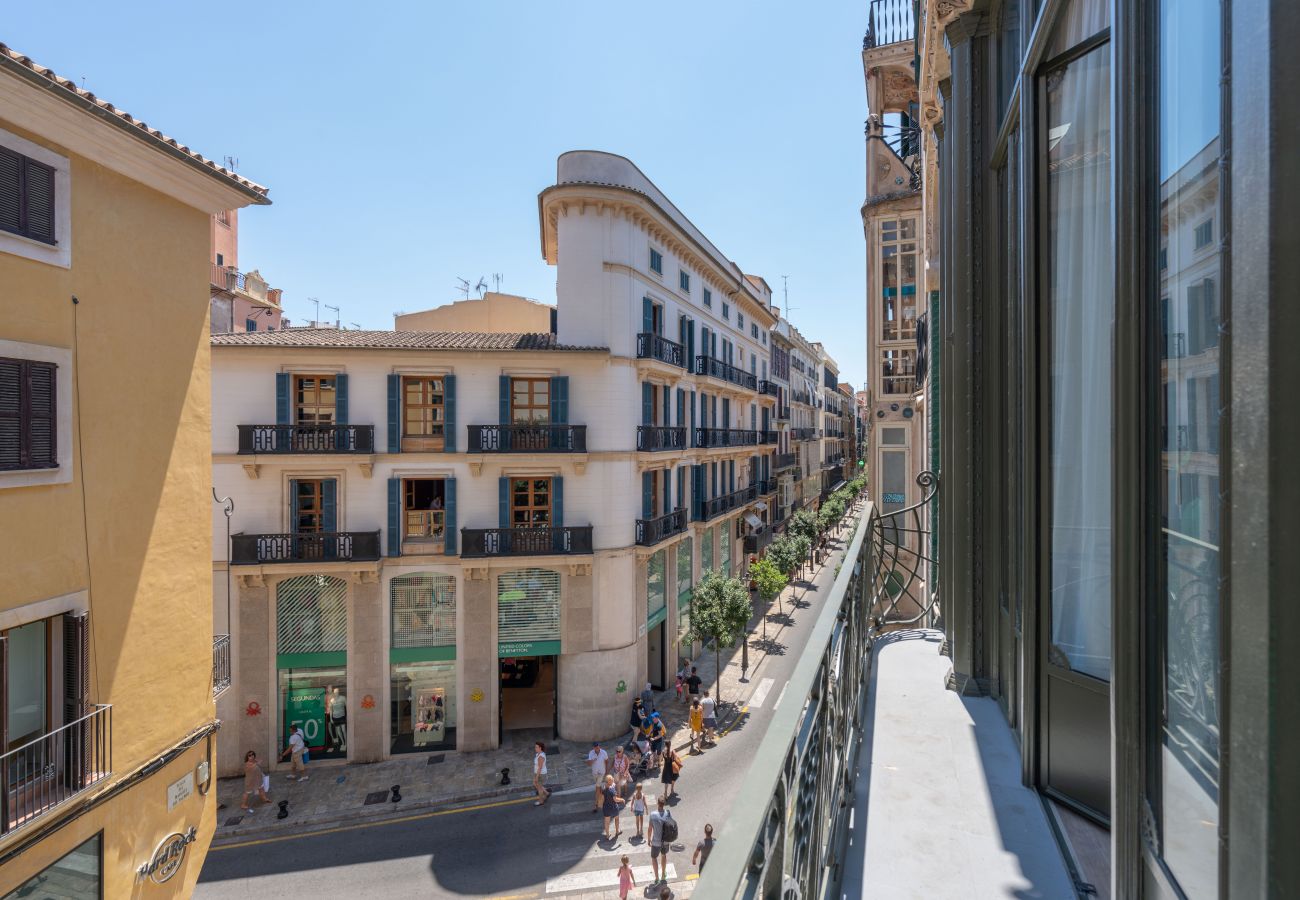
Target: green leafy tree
803,523
784,555
720,611
768,578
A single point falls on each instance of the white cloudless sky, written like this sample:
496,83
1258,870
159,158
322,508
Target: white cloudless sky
405,144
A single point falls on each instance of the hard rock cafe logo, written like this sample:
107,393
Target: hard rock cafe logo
168,857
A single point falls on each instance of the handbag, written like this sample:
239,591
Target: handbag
266,783
677,764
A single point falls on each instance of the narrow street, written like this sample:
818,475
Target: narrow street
555,850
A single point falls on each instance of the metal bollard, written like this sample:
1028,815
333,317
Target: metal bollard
505,776
284,810
397,794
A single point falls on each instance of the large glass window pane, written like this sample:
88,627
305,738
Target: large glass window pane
315,699
1080,299
74,877
656,582
423,713
28,682
1187,729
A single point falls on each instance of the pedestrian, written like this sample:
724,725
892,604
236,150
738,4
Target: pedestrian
637,718
703,848
657,734
658,845
621,766
680,683
710,718
696,720
626,881
693,682
295,751
254,781
539,774
596,760
638,811
672,768
610,808
648,698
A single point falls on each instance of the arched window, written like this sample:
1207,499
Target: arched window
423,610
311,614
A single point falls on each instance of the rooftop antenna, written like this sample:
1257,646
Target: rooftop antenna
463,287
355,325
230,162
336,314
316,318
481,286
496,278
785,291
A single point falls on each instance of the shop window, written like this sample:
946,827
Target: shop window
656,583
706,551
423,611
528,612
684,585
423,706
724,548
314,399
423,412
77,875
311,615
311,661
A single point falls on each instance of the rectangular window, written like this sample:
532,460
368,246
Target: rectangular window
75,876
726,311
26,197
423,413
424,512
656,261
684,570
314,399
764,336
684,281
708,297
740,320
898,261
530,502
753,331
250,324
309,506
27,415
530,401
706,550
898,371
28,683
1204,234
656,582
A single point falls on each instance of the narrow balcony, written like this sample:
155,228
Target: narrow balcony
312,547
49,771
479,543
740,377
769,387
801,397
765,486
220,663
725,437
714,368
785,460
655,346
888,22
660,437
783,413
803,434
767,437
651,531
533,438
255,439
757,543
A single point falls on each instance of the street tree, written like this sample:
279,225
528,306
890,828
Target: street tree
720,610
769,579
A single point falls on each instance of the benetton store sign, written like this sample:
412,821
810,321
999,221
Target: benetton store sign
529,648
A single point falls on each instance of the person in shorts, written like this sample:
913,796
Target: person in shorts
657,735
695,716
598,760
703,848
693,682
658,846
295,751
710,718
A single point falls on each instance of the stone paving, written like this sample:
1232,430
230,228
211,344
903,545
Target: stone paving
336,792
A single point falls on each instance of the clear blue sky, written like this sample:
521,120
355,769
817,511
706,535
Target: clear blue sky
405,145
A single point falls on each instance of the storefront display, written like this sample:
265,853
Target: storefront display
310,699
423,706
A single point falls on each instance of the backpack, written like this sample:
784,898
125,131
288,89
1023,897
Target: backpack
668,828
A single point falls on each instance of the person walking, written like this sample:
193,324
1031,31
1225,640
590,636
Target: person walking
693,682
672,768
254,781
695,717
703,848
539,774
657,734
296,750
626,881
680,684
710,718
658,845
597,760
638,811
610,808
637,719
648,698
621,766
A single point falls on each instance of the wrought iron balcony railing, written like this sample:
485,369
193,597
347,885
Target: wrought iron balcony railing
783,413
766,485
725,437
319,546
661,437
801,397
714,368
651,531
306,439
741,377
46,772
888,22
220,663
540,541
785,460
769,387
803,434
767,437
757,543
531,438
656,346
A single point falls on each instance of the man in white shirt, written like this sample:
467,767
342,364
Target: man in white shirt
710,717
297,746
598,759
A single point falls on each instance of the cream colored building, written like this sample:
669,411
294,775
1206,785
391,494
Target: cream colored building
493,312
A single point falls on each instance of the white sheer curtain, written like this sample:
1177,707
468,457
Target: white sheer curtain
1081,302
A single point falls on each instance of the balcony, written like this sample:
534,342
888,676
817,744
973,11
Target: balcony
45,773
785,460
767,437
660,437
801,397
803,434
478,543
312,547
220,663
888,22
250,286
651,531
655,346
745,379
716,368
765,486
306,439
783,413
535,438
769,387
757,543
725,437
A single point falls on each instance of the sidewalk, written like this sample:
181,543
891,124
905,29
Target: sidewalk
339,793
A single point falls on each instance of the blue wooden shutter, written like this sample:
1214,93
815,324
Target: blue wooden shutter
329,505
647,403
647,495
394,517
681,487
293,506
681,406
732,481
449,415
560,400
690,344
690,437
282,388
503,502
503,400
341,399
557,501
394,413
668,491
449,503
647,316
697,491
668,404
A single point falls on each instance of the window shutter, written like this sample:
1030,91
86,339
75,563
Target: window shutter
647,315
647,495
41,421
1209,306
329,504
11,373
449,415
668,404
394,517
560,400
341,399
503,400
557,501
282,388
503,502
39,191
1194,319
11,168
647,403
293,506
697,490
690,437
394,413
76,693
681,407
449,493
681,487
668,491
690,345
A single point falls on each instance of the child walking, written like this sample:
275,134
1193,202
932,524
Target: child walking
638,811
625,879
696,718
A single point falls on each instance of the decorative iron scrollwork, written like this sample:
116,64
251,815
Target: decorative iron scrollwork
905,564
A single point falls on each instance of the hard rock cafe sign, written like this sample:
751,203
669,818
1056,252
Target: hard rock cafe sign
168,857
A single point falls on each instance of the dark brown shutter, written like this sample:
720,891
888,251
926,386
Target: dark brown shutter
39,196
11,192
41,423
76,690
11,427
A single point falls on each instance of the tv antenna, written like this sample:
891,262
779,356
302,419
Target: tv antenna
316,318
481,286
230,162
355,325
463,287
496,279
785,291
336,314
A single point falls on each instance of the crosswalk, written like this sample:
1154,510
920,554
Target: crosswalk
574,839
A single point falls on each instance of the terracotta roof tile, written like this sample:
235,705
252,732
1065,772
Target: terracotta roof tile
12,58
395,340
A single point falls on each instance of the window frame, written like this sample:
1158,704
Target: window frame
296,508
656,262
58,253
25,417
532,507
425,440
545,407
708,298
299,405
684,281
427,540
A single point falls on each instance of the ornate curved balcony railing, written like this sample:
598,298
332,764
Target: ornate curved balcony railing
660,437
656,346
536,438
306,439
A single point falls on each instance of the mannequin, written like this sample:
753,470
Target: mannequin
336,720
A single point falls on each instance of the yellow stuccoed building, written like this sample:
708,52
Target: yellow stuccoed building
108,661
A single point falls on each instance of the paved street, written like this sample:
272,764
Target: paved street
509,848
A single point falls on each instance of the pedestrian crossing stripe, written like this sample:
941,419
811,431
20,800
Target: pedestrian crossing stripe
579,881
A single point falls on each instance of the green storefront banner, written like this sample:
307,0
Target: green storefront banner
305,707
656,617
529,648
